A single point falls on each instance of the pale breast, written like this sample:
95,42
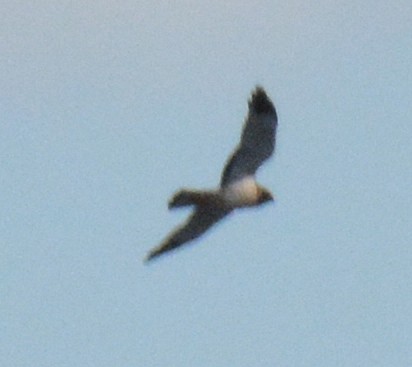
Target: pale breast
241,193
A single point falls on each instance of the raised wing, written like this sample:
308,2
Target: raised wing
257,142
199,222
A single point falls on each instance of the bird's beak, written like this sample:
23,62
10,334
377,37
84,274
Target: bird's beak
266,197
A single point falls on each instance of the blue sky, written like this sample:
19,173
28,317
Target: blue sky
106,109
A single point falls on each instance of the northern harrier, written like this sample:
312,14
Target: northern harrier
238,187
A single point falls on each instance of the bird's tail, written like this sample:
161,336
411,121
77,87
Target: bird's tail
186,197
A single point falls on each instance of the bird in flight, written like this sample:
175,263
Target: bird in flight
238,187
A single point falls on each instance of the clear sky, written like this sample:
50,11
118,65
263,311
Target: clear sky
106,108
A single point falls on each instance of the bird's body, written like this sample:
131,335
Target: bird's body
242,193
238,187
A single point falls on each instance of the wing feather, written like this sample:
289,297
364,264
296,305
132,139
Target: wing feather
257,142
199,222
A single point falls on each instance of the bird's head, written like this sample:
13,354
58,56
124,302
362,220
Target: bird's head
265,196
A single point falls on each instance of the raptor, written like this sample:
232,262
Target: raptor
238,187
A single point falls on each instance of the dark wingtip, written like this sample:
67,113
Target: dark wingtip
149,257
260,102
160,250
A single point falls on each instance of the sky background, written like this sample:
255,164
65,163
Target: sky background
106,108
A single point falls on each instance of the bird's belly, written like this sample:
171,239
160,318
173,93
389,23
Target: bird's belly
241,194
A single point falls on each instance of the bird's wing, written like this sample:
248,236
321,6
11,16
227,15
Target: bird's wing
199,222
257,142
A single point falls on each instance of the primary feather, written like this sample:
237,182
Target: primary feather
257,142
